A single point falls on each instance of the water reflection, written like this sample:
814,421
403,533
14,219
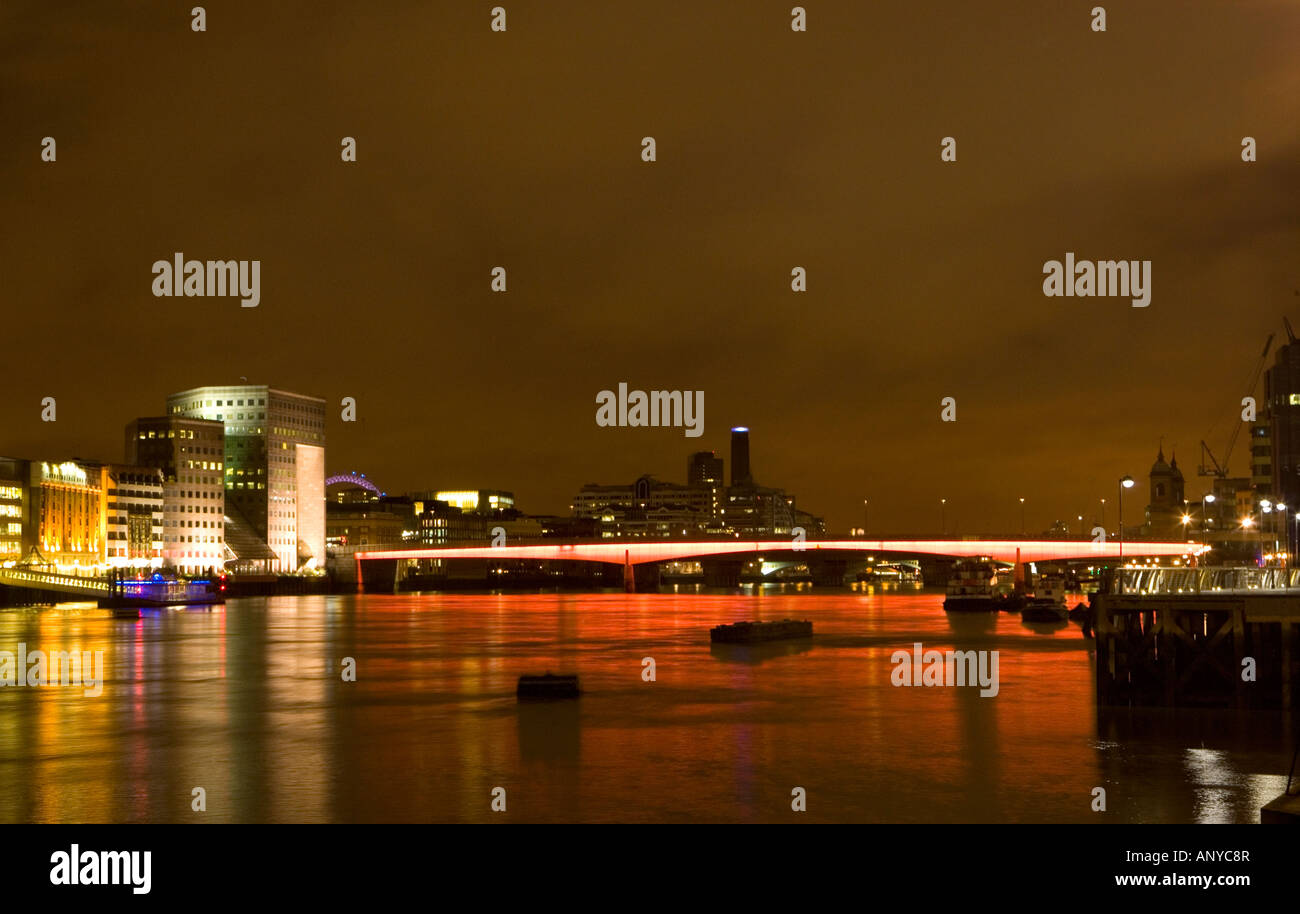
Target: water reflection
757,653
249,703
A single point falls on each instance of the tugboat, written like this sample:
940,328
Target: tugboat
1048,603
752,632
972,586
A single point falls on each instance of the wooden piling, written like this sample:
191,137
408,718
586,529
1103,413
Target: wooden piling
1190,650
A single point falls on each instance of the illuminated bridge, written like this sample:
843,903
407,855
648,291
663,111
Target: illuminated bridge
722,559
70,585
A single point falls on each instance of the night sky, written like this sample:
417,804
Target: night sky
775,149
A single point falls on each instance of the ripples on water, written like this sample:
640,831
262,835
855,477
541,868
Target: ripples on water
248,703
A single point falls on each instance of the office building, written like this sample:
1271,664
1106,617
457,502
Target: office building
704,470
680,507
1282,396
364,524
651,508
473,501
274,465
134,508
190,454
65,521
440,523
14,478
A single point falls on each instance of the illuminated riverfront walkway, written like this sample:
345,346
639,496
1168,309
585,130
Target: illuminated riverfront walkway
640,553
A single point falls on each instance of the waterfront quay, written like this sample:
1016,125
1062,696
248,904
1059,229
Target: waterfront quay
1198,637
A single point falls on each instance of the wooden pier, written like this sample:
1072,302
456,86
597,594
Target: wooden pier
1172,641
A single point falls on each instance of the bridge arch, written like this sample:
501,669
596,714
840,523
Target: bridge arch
353,479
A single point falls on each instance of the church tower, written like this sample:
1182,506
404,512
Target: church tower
1177,482
1163,483
1165,510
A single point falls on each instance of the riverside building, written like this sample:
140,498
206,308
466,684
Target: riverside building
274,465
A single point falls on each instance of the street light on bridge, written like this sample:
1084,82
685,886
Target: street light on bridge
1286,553
1125,482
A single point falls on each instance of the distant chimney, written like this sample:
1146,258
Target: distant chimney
740,457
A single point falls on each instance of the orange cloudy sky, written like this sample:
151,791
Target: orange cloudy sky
775,150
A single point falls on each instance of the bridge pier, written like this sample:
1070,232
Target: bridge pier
378,575
722,572
828,572
646,577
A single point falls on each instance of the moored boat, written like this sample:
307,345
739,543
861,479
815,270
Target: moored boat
972,586
1048,602
160,590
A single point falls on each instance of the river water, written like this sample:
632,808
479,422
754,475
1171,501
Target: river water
249,703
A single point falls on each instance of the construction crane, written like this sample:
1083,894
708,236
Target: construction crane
1209,465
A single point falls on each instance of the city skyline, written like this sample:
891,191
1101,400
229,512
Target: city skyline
948,520
946,507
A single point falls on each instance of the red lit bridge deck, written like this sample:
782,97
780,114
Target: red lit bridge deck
686,550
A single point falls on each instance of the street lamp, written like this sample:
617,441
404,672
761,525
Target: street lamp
943,518
1022,517
1208,497
1286,554
865,517
1125,482
1296,516
1266,508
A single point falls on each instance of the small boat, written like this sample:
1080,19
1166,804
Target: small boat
751,632
159,590
547,687
1044,611
1013,602
890,573
972,586
1048,602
